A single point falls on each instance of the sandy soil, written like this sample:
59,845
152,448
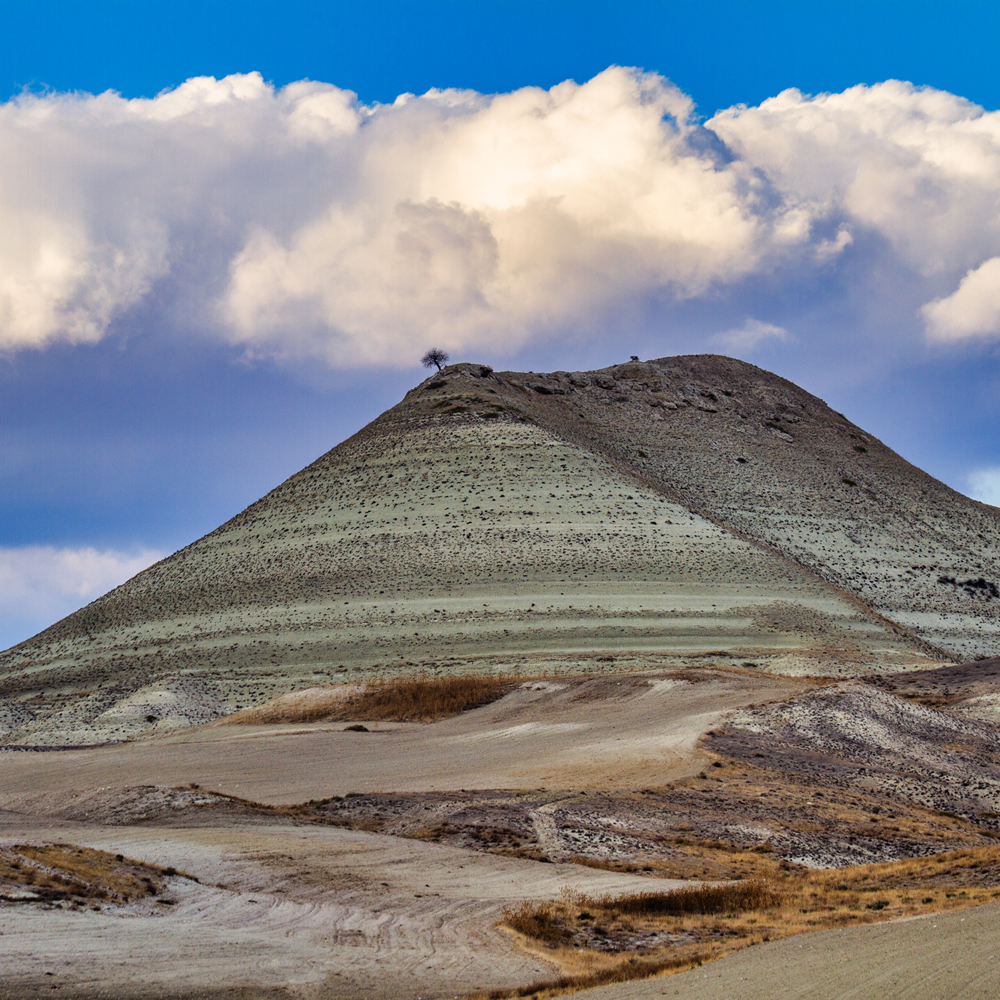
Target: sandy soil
309,901
621,731
950,957
298,912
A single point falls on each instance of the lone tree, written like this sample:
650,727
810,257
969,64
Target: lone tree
435,356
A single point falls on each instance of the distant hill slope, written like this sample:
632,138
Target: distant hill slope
760,455
680,507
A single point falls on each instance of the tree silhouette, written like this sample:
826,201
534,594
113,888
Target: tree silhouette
435,356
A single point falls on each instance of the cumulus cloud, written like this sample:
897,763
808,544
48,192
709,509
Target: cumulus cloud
972,310
916,166
505,216
919,166
299,222
984,484
40,584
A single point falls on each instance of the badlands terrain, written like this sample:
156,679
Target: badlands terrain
731,639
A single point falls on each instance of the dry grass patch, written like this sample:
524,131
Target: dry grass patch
619,972
67,875
424,699
699,899
633,922
408,699
614,938
710,860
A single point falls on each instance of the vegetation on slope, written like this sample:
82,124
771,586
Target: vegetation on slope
607,939
68,876
406,699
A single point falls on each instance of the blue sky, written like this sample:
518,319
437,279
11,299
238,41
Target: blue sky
720,53
203,291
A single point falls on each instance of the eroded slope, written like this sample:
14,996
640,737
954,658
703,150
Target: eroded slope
529,522
437,536
763,456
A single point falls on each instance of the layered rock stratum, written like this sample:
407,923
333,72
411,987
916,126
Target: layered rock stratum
645,514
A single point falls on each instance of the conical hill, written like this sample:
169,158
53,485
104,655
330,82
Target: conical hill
685,507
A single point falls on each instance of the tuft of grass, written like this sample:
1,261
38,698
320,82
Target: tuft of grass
538,921
406,699
732,897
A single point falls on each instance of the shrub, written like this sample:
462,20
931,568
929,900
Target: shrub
407,699
537,921
733,897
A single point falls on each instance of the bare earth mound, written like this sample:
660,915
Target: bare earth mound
681,506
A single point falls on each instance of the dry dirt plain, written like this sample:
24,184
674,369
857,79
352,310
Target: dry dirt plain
621,731
303,902
313,880
944,957
283,912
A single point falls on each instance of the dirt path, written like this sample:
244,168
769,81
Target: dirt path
951,957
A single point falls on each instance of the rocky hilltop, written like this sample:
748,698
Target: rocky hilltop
689,507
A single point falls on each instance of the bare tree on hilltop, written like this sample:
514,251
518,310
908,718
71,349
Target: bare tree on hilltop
435,356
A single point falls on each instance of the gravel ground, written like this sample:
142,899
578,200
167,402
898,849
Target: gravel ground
860,736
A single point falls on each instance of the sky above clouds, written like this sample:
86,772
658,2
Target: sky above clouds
219,261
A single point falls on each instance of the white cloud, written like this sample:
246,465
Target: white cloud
299,222
40,584
919,166
829,249
984,484
750,335
501,216
972,310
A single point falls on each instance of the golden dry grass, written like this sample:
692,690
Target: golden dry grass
609,939
619,972
699,899
693,859
65,873
411,699
558,923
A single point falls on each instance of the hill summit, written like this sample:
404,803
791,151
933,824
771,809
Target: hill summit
645,513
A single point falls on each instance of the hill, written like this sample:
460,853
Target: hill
648,513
